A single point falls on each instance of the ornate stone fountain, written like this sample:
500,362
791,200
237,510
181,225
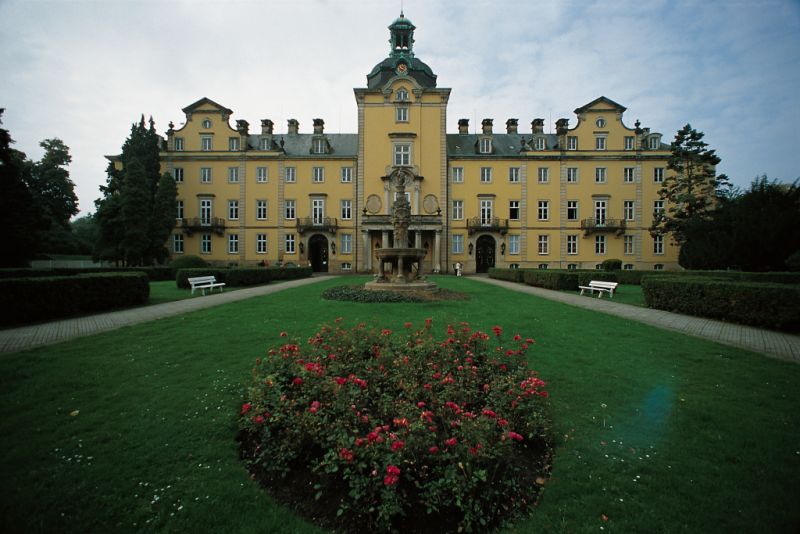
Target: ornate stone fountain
406,272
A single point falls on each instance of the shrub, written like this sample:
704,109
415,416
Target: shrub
188,262
509,275
552,279
242,276
44,298
388,430
611,265
753,303
359,294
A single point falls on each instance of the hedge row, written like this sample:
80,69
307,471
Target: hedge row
242,276
32,299
752,303
509,275
153,273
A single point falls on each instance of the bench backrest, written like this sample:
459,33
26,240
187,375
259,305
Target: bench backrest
602,284
202,280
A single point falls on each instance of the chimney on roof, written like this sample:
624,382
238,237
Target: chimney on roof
463,126
537,126
511,126
293,126
266,126
243,127
319,126
562,125
486,124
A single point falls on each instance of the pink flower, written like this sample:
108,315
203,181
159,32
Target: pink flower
497,330
433,450
359,442
341,380
489,413
515,436
398,445
407,325
420,404
245,408
392,475
258,419
451,442
297,381
314,407
346,455
517,337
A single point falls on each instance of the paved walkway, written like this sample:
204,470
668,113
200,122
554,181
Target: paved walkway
774,344
27,337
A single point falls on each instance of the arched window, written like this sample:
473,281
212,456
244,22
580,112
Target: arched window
402,94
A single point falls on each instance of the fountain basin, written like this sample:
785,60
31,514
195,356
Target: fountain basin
403,276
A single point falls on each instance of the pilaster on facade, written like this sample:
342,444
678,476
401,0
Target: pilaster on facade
281,209
243,237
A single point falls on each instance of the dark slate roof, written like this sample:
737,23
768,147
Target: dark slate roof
503,145
385,71
299,145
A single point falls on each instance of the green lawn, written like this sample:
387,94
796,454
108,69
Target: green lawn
657,431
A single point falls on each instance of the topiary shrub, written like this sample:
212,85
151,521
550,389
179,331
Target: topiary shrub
187,262
377,430
611,264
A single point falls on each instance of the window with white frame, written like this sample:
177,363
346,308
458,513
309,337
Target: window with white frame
264,143
458,210
347,266
233,210
206,209
543,266
233,243
179,144
289,209
628,174
261,243
318,175
544,244
458,243
261,210
486,175
262,175
206,143
572,175
627,267
543,175
346,175
290,174
401,114
513,244
572,210
628,247
458,175
402,94
658,267
288,243
572,142
544,210
600,122
600,142
402,154
485,145
572,244
513,210
654,143
177,174
600,175
346,244
179,211
346,209
599,244
233,144
539,143
658,244
205,175
572,266
205,244
629,142
486,211
658,175
658,207
318,146
628,209
233,175
513,175
177,243
206,123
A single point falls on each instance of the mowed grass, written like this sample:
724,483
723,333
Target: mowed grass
654,431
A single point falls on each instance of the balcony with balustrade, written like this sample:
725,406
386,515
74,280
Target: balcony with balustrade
483,224
596,226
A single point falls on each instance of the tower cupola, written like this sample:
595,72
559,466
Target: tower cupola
402,37
401,60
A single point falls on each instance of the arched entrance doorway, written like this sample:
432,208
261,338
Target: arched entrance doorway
484,253
318,253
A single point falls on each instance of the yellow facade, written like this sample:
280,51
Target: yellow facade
569,199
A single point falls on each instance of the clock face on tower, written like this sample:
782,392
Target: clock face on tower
402,68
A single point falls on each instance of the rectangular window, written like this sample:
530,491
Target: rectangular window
346,244
318,210
318,175
261,210
486,212
572,175
627,209
233,210
347,175
206,143
288,242
264,143
233,243
572,266
654,143
627,245
600,175
458,175
206,209
177,173
572,210
628,142
179,144
290,174
658,267
233,175
513,244
205,244
289,211
543,266
402,154
513,210
544,244
485,145
628,174
544,175
572,142
347,266
600,211
205,175
486,175
539,143
458,243
262,175
658,175
599,244
347,209
658,207
600,143
572,244
318,146
261,243
544,210
628,267
401,114
658,244
458,210
179,206
513,175
233,144
177,243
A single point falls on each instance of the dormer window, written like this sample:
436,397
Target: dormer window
264,143
318,146
402,95
207,124
485,146
654,143
539,143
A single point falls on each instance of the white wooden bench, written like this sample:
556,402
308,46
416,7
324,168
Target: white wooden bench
205,282
601,287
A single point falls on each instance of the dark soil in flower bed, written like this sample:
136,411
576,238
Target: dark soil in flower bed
359,294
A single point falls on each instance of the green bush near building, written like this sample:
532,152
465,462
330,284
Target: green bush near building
242,276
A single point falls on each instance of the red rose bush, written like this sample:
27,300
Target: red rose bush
398,430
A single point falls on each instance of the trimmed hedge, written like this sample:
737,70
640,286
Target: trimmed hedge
552,279
509,275
31,299
635,277
154,273
751,303
242,276
187,262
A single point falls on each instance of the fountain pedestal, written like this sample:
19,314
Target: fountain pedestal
403,276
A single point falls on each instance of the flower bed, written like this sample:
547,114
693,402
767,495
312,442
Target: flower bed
363,428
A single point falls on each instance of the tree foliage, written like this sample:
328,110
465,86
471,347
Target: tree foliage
137,212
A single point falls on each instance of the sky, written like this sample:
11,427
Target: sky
84,70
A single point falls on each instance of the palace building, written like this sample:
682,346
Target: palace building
509,198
